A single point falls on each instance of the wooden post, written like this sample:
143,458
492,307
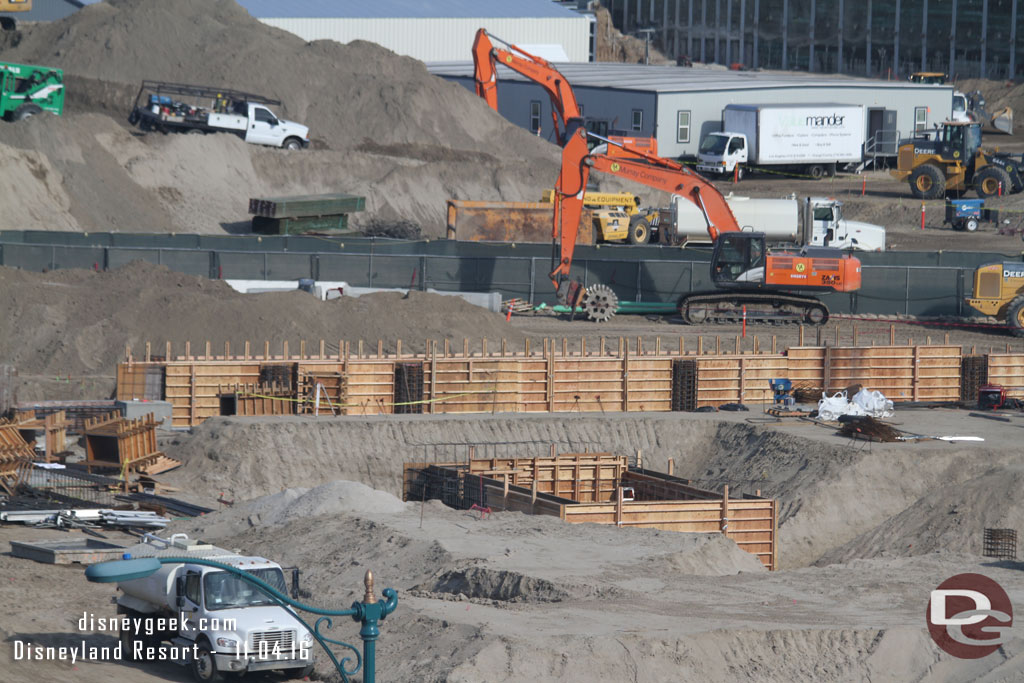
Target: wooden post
718,345
483,347
757,346
380,348
801,341
526,348
618,505
892,334
774,347
817,336
504,347
625,380
602,346
398,348
188,350
285,350
359,349
671,467
928,342
320,353
855,335
657,346
465,347
945,339
533,495
167,351
206,354
583,347
266,350
447,349
639,345
915,372
302,349
247,351
725,510
682,346
738,345
549,351
837,334
565,347
148,357
433,381
700,345
639,459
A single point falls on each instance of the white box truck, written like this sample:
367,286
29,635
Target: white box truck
214,621
812,221
809,139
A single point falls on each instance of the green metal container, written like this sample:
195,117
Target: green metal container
334,224
307,205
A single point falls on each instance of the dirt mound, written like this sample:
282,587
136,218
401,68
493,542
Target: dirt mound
615,46
76,322
950,518
345,93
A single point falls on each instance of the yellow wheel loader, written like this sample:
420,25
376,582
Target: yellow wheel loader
999,292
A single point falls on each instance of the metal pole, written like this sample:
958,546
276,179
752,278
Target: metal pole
664,23
1013,41
785,34
810,42
984,39
625,15
728,31
924,35
952,42
533,277
867,49
743,30
689,28
677,27
718,28
839,50
896,42
703,30
757,32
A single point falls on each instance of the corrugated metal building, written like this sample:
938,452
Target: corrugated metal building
438,30
681,105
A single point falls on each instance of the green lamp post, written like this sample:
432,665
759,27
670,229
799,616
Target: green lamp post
369,612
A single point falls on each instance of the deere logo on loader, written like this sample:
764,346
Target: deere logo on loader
956,153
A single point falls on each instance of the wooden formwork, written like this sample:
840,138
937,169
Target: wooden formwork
256,399
1006,369
116,442
599,488
553,378
16,456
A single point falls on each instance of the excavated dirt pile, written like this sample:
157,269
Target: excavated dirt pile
382,126
75,322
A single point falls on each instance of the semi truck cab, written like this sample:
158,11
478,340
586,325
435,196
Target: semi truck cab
828,228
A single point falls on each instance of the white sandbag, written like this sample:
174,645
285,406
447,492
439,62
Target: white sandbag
831,407
874,403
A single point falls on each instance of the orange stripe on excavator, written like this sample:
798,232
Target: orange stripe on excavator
791,270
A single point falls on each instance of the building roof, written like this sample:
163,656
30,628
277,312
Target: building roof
672,79
419,9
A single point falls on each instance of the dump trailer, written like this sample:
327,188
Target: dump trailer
215,622
28,90
481,221
181,108
808,139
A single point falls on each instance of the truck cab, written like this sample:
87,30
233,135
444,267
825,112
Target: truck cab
215,621
720,152
828,228
262,126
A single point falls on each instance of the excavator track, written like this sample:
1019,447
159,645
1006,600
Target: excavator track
768,308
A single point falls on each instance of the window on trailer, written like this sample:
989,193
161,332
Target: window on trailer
638,120
920,118
682,126
534,115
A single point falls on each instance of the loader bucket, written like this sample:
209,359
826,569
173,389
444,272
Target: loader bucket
1002,120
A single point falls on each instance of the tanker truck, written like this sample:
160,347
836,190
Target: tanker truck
812,221
214,621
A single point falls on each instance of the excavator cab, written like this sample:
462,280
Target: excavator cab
738,259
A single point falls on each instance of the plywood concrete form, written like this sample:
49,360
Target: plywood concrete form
585,488
554,379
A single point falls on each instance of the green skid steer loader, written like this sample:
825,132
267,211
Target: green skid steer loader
28,90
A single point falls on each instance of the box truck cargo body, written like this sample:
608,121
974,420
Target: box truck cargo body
809,139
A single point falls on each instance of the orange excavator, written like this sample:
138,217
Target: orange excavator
750,281
764,286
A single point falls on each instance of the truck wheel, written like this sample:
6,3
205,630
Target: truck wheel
292,143
196,131
927,182
971,224
739,173
986,183
639,230
133,118
26,111
816,171
1015,317
204,666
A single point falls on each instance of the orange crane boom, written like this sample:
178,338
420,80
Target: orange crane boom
486,58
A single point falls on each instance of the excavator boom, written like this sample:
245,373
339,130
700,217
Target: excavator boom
486,57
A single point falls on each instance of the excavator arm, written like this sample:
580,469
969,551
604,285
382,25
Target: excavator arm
486,57
647,169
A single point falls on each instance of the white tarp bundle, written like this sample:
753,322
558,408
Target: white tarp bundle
864,402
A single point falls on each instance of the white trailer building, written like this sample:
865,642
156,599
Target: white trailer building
437,30
681,105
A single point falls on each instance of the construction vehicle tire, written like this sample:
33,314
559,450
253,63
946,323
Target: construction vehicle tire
816,171
639,230
26,111
1015,316
927,182
987,182
133,118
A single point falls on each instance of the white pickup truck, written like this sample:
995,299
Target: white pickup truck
179,108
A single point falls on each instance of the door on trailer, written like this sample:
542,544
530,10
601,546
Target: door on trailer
262,127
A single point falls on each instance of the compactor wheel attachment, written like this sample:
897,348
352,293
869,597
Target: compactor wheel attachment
600,303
